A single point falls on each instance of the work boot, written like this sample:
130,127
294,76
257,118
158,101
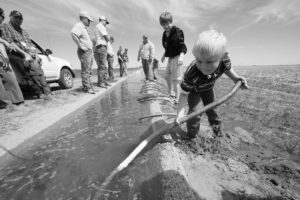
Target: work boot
107,84
90,91
94,89
102,85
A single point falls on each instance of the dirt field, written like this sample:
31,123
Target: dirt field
14,117
263,129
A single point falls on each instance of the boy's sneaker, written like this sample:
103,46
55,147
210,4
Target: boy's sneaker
217,130
188,136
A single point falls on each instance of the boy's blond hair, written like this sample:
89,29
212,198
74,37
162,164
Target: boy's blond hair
210,43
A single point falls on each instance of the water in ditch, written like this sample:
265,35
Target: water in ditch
80,151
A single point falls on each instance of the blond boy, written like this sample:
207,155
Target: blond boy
211,61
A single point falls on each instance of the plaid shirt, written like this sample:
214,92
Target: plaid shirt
125,57
194,80
18,36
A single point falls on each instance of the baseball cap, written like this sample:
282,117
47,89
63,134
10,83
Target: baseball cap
103,18
85,14
16,13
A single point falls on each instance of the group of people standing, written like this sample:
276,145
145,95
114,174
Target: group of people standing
19,62
98,47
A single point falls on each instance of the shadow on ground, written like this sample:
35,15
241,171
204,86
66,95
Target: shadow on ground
168,185
227,195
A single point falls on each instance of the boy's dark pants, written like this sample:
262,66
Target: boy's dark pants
194,99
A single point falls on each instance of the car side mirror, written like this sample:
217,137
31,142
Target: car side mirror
48,52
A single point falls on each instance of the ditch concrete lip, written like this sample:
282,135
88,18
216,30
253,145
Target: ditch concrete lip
17,137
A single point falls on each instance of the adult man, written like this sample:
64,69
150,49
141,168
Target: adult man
29,74
146,52
121,61
110,59
9,87
101,40
81,37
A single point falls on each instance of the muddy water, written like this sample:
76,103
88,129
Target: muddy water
68,158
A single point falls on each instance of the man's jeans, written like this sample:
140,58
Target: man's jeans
146,67
194,99
110,62
32,75
101,58
86,60
122,67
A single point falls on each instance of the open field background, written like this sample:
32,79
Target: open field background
263,126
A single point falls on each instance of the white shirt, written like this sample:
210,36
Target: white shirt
100,32
81,31
146,51
110,50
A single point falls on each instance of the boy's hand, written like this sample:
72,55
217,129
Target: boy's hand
244,82
27,57
176,121
11,47
180,59
162,59
6,60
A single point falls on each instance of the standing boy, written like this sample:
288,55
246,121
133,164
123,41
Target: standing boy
173,42
211,61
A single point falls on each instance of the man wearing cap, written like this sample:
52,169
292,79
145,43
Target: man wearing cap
81,37
101,40
28,75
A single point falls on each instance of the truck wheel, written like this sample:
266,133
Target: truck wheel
66,79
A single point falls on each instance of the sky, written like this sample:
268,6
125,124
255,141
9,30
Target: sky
259,32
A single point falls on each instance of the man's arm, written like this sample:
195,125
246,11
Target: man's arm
151,56
139,53
103,32
76,40
13,47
